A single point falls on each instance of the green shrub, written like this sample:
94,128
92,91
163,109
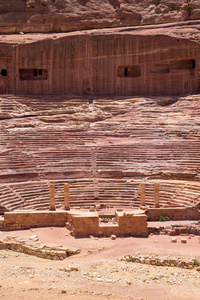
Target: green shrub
189,9
164,218
157,2
174,9
197,263
133,259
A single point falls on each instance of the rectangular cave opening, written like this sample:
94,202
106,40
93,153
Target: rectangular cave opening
183,64
128,71
33,74
161,68
4,72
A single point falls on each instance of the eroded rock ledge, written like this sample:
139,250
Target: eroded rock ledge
61,16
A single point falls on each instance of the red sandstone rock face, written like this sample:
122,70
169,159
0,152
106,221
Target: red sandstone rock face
62,16
147,60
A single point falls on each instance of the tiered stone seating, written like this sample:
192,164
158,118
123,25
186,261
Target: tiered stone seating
168,189
35,196
188,195
81,192
104,150
86,192
9,198
119,192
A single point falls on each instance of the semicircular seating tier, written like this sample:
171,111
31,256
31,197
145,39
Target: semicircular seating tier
104,150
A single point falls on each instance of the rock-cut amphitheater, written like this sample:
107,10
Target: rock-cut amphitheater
103,96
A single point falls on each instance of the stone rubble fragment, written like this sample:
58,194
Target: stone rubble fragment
174,240
183,240
34,238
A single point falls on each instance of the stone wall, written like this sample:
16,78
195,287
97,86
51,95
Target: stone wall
126,225
25,220
131,223
117,62
80,223
179,213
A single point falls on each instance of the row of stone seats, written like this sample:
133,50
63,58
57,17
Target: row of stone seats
167,161
118,192
109,193
9,199
77,143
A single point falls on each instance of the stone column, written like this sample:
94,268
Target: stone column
142,194
66,196
52,197
156,189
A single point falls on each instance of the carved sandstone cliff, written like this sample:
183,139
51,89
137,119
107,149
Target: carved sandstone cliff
148,60
65,15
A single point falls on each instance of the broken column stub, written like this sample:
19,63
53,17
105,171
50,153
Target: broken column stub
52,197
156,189
66,196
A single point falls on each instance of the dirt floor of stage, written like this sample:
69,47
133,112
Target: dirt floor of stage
99,274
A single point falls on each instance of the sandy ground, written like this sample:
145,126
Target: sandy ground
100,274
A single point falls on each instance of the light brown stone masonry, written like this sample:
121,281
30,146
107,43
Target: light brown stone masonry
37,249
82,223
178,213
28,219
152,259
127,224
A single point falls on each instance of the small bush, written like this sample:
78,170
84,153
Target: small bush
164,218
174,9
189,9
197,263
133,259
149,219
157,2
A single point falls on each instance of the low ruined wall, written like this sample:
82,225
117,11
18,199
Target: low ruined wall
79,223
38,249
179,213
25,220
154,259
87,223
